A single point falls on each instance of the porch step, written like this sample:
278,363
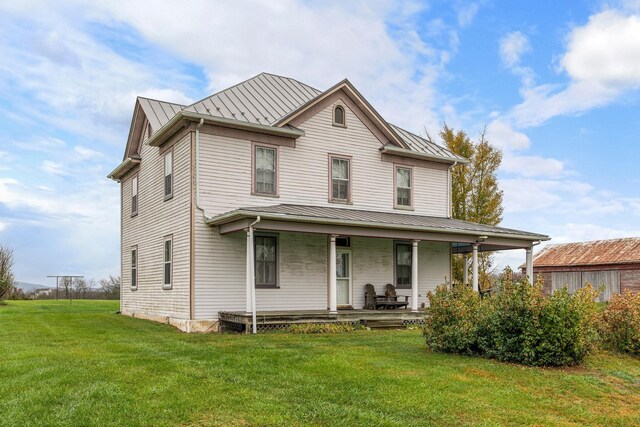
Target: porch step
385,324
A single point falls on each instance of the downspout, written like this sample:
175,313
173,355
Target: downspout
253,278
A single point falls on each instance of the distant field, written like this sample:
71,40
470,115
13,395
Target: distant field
81,364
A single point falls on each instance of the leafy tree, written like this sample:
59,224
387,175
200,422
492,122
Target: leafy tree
6,274
475,195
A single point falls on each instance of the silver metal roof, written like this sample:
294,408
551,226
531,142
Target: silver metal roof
265,99
367,218
421,145
158,112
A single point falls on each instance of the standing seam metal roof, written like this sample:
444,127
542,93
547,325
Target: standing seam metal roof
390,218
265,99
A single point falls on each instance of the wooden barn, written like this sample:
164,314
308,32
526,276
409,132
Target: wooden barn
613,263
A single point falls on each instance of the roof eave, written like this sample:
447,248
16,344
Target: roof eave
387,149
240,214
160,136
124,167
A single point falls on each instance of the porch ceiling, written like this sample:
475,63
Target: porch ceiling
353,222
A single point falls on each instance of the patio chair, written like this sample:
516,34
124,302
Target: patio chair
392,297
373,301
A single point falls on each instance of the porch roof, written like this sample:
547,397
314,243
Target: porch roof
336,220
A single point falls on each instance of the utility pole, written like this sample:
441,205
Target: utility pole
70,277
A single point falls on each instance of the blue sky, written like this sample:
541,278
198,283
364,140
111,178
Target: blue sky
556,84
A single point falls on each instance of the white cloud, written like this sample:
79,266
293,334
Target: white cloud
532,166
602,63
504,136
512,47
467,13
3,226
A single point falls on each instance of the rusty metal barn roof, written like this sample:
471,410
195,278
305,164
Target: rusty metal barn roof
615,251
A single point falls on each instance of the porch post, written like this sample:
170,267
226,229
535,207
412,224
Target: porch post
414,276
249,268
333,294
465,269
474,260
529,263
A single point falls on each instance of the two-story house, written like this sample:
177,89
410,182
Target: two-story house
275,197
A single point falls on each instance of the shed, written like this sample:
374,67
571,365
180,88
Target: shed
613,263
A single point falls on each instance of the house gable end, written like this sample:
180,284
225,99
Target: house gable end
358,104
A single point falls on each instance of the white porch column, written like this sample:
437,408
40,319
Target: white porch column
414,276
333,293
249,269
474,260
529,263
465,269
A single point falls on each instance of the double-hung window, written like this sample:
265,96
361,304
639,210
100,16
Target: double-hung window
167,262
402,264
168,174
266,260
340,179
404,182
265,173
134,267
134,195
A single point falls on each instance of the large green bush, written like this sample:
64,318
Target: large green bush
518,323
453,319
620,325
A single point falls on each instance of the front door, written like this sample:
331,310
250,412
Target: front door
343,277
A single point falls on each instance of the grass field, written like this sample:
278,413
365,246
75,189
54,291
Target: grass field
81,364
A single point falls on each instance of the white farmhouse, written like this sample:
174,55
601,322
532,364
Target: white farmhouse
277,198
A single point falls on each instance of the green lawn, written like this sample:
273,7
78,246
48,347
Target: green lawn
81,364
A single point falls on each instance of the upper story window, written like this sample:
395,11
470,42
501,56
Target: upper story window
134,267
265,170
404,189
167,262
340,182
168,174
134,195
339,117
266,260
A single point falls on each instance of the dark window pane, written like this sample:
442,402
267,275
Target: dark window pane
167,185
266,260
134,278
167,273
265,173
339,116
403,264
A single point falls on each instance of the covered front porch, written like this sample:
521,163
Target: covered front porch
378,236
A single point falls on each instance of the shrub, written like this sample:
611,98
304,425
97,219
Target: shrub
620,323
517,324
321,328
452,320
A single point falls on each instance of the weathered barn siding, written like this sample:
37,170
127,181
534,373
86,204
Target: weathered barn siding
156,219
220,261
630,280
608,281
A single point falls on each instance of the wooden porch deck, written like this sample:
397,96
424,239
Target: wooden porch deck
239,321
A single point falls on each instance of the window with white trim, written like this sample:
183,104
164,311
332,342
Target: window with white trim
404,180
402,264
168,261
134,195
134,267
340,179
168,174
265,170
266,260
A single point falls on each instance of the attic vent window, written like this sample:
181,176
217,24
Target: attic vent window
339,116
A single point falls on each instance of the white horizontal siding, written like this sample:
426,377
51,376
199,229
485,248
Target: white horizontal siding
225,185
158,218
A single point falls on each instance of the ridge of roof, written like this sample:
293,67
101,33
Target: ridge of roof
608,251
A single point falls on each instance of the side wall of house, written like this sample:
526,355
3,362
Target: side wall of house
156,219
225,185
